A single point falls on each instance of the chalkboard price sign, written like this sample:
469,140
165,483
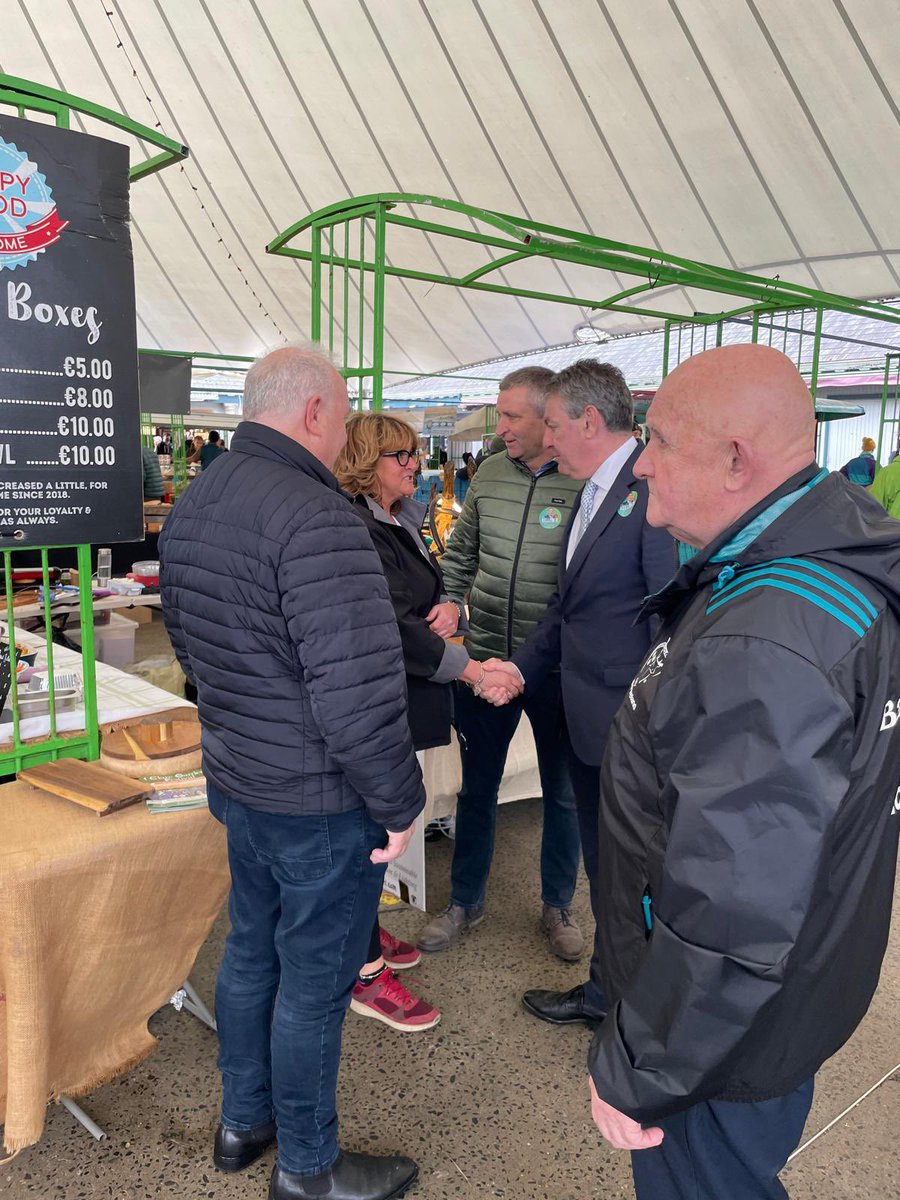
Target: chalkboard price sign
70,456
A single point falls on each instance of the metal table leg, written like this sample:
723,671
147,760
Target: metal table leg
187,997
82,1118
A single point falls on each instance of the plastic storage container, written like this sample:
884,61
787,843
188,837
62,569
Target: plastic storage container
113,641
146,572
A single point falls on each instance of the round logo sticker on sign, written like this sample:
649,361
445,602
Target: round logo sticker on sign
550,518
29,222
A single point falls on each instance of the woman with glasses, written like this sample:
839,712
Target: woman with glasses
377,467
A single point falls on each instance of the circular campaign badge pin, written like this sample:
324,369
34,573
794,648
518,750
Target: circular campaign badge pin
625,508
29,222
550,518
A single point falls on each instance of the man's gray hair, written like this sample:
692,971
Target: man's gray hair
536,379
599,384
283,380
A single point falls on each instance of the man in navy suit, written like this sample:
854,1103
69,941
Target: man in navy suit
611,560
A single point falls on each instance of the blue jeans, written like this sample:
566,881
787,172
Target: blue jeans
303,899
484,734
723,1151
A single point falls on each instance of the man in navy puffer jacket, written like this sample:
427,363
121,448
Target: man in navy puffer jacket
279,613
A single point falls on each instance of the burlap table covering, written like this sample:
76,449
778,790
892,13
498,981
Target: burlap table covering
101,919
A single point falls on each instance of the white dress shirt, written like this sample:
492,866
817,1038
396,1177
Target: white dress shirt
604,477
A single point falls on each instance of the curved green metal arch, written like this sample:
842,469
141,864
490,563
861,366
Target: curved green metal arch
357,206
522,237
25,95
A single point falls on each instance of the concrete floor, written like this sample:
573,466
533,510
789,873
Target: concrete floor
491,1103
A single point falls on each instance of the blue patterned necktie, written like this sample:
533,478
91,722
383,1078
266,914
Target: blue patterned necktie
587,506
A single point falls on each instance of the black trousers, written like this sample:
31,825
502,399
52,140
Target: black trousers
374,943
586,785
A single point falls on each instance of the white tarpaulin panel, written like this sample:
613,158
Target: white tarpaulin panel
751,134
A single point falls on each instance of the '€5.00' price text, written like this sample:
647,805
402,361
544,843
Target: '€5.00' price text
87,368
79,397
98,427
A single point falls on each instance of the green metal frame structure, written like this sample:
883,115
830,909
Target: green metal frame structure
179,455
147,425
890,406
175,425
54,745
348,253
27,97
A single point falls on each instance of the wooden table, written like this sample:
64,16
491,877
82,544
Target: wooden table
102,604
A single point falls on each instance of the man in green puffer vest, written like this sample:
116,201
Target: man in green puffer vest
503,556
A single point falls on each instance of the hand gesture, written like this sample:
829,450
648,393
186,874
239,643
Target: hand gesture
397,844
502,682
620,1131
444,619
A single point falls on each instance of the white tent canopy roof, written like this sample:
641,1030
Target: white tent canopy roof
850,344
744,133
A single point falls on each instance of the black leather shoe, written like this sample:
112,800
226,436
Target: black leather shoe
350,1177
563,1008
235,1149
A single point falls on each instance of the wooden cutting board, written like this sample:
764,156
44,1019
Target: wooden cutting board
86,784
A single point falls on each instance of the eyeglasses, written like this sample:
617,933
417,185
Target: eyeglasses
403,457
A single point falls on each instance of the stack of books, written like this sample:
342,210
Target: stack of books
176,793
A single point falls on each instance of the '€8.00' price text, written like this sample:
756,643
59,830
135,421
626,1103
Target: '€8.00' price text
79,397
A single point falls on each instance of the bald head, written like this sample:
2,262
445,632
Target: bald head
298,391
727,427
750,392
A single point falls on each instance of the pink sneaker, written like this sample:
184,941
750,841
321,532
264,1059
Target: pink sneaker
398,955
388,1000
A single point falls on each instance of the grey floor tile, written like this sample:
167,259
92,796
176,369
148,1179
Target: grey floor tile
857,1159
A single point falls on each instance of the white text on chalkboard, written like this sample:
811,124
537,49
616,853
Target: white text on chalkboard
18,308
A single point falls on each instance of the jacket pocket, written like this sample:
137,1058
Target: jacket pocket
299,846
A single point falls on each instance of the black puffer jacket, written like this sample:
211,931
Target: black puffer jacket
279,612
750,786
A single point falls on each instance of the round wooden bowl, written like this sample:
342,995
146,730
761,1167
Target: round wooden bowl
153,748
139,769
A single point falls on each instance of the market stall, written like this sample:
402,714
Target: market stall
101,919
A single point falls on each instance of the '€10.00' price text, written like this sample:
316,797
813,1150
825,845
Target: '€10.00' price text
76,426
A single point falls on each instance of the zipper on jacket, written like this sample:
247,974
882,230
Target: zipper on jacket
515,568
647,911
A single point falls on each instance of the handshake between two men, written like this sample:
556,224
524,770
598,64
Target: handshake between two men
500,682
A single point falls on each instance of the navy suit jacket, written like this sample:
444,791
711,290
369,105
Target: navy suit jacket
588,629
